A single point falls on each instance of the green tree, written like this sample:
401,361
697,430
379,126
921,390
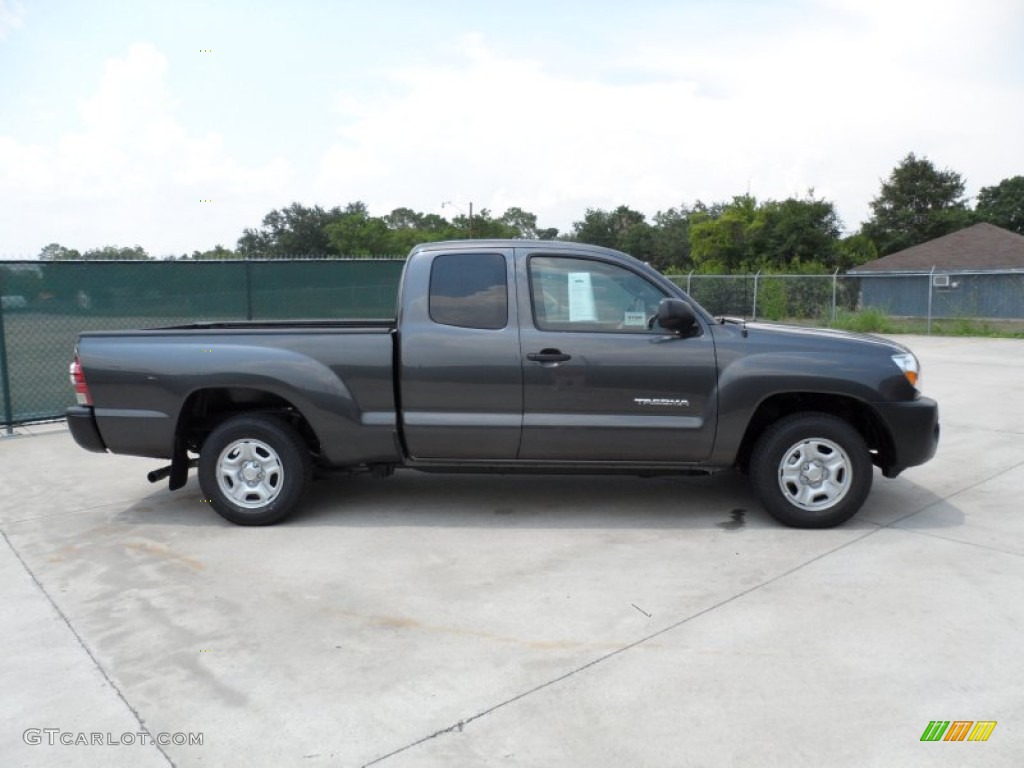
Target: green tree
217,253
523,222
795,231
404,218
57,252
116,253
854,250
720,244
432,222
671,247
672,234
639,240
297,230
623,229
1003,204
777,235
595,228
606,228
483,225
917,203
525,225
409,227
356,233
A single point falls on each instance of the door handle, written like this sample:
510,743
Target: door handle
548,356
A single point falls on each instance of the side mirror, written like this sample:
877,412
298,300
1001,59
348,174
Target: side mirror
676,315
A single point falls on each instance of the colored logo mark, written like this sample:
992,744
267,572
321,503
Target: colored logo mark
958,730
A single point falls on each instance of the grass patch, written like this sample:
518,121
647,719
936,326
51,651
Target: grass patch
873,320
870,320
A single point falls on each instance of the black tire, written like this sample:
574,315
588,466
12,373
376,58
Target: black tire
811,470
261,456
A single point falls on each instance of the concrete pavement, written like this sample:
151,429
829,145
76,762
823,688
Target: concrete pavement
434,620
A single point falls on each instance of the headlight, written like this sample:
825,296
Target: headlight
907,363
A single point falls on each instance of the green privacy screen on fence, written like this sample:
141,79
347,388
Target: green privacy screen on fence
45,305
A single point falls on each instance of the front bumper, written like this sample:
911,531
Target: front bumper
82,424
914,429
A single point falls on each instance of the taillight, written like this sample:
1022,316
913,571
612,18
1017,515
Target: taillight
77,376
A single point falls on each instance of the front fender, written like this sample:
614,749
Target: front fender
747,381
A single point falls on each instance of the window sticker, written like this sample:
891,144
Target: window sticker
635,319
581,298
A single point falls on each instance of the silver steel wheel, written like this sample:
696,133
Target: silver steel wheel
815,474
249,473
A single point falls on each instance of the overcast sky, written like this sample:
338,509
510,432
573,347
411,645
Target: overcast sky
115,121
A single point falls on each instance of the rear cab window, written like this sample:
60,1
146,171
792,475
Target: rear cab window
469,290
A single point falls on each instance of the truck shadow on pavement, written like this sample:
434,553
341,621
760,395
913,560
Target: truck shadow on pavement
724,500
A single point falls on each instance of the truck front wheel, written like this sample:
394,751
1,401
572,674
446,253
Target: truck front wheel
253,469
811,470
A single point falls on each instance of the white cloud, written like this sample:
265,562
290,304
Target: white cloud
683,101
832,104
505,132
131,173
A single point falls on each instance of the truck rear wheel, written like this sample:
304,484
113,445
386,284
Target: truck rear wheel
811,470
254,468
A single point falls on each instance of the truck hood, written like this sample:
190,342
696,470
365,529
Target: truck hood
796,333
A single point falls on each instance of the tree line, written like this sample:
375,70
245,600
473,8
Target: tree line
916,203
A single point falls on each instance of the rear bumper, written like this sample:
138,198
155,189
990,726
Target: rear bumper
914,428
82,424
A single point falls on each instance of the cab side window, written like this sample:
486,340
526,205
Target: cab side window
469,290
584,295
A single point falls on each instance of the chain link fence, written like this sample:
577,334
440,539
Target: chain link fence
44,305
773,297
928,296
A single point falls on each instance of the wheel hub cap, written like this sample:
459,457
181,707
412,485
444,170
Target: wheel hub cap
250,473
815,474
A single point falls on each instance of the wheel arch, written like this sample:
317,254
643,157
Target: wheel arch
204,409
860,415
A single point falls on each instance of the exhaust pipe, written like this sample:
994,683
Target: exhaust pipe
164,472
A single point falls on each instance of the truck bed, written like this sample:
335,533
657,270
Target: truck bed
336,372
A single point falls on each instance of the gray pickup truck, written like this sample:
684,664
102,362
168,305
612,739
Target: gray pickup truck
509,356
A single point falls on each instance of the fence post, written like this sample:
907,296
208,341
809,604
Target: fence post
931,282
5,380
754,312
248,289
688,278
835,280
